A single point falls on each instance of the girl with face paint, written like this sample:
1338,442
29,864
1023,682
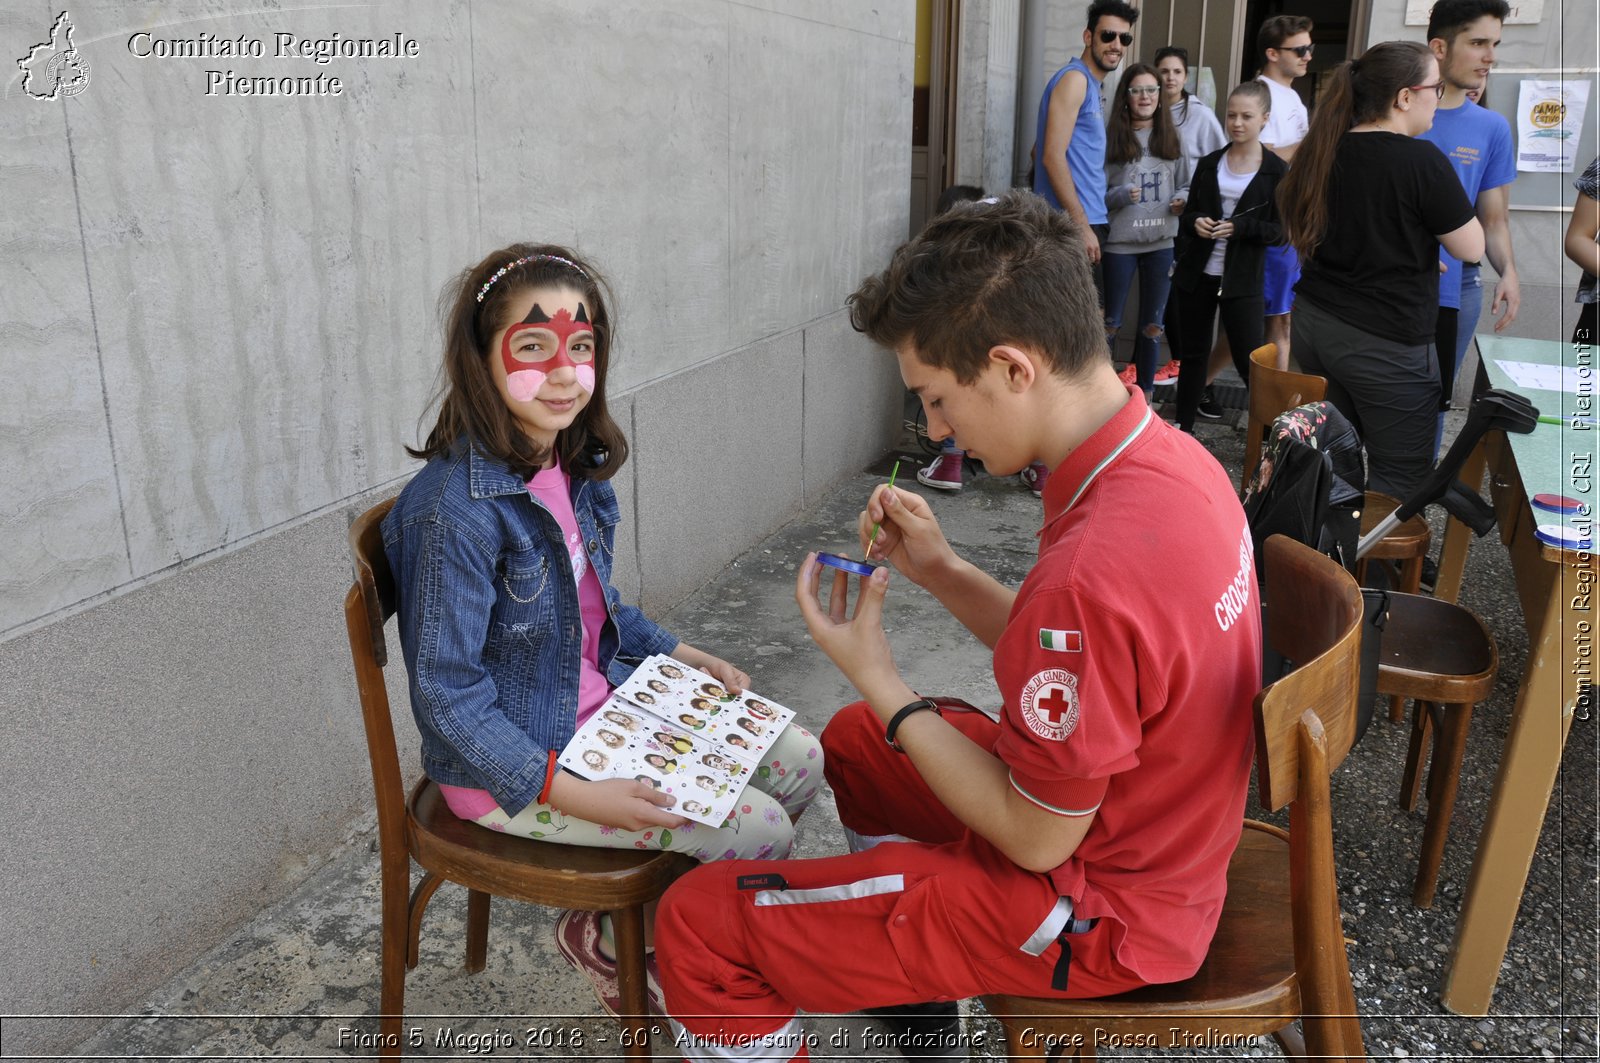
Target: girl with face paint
500,547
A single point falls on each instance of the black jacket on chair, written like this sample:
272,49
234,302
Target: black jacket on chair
1255,225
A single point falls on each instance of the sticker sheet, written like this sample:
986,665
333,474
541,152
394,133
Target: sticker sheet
675,728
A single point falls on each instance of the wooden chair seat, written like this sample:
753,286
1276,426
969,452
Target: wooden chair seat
1247,985
1435,650
1409,540
1441,656
558,876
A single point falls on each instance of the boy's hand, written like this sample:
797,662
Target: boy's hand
625,803
856,644
909,537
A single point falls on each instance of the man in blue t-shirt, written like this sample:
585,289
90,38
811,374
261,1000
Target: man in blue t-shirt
1463,35
1071,133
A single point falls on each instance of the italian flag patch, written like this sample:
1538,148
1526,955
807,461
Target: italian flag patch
1061,641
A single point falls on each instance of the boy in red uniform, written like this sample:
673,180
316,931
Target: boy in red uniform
1078,847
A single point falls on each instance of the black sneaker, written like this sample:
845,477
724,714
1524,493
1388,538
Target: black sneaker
923,1031
1210,408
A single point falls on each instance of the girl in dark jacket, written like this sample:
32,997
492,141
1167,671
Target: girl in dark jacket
1230,218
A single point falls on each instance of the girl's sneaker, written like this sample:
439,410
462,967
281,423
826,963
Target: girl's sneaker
578,941
1129,374
1034,477
944,472
1167,374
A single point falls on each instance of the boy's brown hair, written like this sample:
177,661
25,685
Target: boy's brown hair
592,447
1278,29
1013,271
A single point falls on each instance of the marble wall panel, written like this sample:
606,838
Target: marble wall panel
821,178
264,268
717,464
60,516
612,135
852,399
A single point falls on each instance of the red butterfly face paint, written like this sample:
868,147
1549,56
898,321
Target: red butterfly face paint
545,369
538,345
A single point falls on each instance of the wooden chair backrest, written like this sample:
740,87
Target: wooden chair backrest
1305,724
368,604
1313,619
1272,391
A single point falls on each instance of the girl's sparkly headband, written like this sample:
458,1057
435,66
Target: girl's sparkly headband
524,261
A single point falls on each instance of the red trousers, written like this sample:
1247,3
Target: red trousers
745,943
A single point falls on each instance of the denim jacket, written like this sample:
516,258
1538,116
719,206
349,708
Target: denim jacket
490,625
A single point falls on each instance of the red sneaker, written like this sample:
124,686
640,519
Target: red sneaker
1167,373
578,941
944,472
1034,477
1129,375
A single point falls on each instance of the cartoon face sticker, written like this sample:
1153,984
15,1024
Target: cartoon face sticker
538,345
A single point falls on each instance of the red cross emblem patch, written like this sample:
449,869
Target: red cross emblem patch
1050,704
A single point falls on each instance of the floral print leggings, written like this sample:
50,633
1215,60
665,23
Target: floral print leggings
761,827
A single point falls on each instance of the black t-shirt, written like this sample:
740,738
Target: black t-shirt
1377,268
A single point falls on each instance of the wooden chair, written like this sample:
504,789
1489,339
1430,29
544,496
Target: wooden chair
1443,656
487,863
1279,952
1272,390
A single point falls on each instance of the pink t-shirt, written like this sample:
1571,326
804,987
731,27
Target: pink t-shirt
550,487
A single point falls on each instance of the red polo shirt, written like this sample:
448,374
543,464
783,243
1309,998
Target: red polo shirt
1128,668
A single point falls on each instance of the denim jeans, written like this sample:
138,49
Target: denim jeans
1466,325
1155,280
1471,309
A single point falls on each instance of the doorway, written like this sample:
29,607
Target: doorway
933,108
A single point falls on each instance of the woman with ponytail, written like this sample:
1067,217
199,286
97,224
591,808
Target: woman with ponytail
1367,206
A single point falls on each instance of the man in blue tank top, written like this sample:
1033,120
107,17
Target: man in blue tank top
1071,135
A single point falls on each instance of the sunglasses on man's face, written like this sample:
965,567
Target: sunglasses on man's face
1107,36
1304,51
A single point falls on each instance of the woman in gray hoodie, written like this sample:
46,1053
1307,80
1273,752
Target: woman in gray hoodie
1145,169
